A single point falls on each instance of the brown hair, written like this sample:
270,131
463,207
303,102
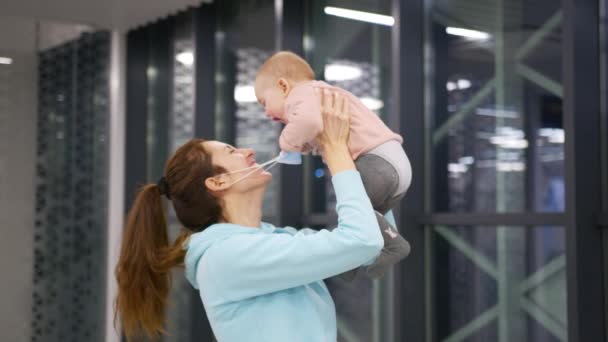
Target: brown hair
146,257
288,65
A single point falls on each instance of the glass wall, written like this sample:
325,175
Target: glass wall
178,130
494,101
499,283
244,39
353,55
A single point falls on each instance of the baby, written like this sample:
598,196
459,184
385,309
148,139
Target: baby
285,86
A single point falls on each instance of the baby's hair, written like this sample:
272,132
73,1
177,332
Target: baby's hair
288,65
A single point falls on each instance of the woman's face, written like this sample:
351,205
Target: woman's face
235,159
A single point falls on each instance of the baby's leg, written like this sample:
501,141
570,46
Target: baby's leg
395,249
386,174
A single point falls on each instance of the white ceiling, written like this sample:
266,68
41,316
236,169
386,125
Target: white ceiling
108,14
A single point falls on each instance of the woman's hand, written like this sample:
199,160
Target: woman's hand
336,127
336,119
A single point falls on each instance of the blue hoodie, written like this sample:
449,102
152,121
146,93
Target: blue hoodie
266,284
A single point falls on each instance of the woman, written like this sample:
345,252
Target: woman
257,282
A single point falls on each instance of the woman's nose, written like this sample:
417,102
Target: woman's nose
248,152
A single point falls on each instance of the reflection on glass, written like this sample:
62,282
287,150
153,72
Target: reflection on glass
500,284
180,127
494,97
253,129
348,45
244,40
348,48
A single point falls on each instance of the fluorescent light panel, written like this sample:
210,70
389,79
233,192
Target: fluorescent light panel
245,94
368,17
462,32
341,72
186,58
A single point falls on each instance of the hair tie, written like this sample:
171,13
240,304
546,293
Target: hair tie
163,187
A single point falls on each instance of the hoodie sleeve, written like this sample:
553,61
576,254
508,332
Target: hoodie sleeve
304,120
248,265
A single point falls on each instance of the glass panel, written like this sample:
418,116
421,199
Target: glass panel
494,99
499,283
353,55
244,40
178,130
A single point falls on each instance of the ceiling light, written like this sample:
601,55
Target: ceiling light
361,16
463,84
372,103
186,58
6,60
341,72
245,94
462,32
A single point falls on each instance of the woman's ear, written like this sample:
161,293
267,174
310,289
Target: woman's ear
284,86
216,184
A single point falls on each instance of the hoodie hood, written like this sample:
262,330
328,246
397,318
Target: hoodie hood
199,243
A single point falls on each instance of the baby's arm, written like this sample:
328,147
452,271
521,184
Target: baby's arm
304,120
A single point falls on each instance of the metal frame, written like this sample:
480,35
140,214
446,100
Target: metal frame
496,272
137,112
160,40
603,217
204,25
602,220
289,23
408,104
506,219
583,167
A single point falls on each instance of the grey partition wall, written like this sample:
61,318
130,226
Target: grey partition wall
71,191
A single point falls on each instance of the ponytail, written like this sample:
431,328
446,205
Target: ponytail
145,261
146,257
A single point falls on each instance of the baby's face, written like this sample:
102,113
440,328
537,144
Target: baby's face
272,99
